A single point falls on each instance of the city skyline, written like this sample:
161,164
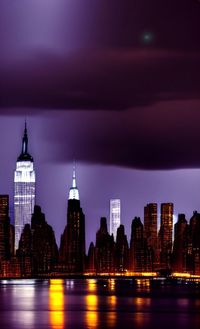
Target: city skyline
115,89
104,210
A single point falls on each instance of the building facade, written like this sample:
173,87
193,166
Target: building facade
151,235
24,189
115,210
72,248
5,247
165,235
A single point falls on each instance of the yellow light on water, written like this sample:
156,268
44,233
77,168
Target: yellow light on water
56,303
91,285
91,315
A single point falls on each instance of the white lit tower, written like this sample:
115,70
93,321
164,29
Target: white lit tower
24,189
114,216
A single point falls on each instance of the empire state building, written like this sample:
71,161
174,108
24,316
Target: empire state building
24,189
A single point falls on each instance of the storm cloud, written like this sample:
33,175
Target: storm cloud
125,73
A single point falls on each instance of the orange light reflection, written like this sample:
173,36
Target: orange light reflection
91,305
56,303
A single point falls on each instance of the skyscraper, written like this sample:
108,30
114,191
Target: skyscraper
150,233
114,216
5,248
137,262
165,234
180,247
24,189
72,248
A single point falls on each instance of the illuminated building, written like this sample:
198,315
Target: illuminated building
24,189
193,262
114,216
150,235
72,247
165,235
180,246
5,248
137,262
122,250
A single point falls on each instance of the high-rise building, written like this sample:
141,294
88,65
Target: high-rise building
5,250
72,248
122,250
180,247
165,234
193,261
114,216
150,234
104,248
137,261
37,252
24,189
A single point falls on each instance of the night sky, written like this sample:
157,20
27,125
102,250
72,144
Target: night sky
113,84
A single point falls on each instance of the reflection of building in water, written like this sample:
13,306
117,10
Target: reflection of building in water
56,304
91,314
23,295
112,314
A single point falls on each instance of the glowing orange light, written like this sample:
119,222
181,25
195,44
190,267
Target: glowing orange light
91,305
56,303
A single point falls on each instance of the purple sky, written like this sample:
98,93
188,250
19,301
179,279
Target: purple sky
115,85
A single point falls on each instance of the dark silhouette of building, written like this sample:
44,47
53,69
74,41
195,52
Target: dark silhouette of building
105,249
165,235
44,247
38,252
151,236
24,252
180,247
137,257
193,263
122,250
72,247
91,259
5,229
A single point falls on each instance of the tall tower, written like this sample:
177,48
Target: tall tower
150,232
24,189
5,249
165,234
72,248
114,216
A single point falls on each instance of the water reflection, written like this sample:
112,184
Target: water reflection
56,303
112,314
143,285
23,298
111,284
91,300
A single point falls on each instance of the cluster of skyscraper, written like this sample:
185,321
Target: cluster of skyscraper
28,248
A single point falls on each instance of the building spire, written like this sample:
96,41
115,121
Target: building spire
74,176
25,141
25,156
73,192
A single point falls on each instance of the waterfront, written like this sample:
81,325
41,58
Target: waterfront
91,303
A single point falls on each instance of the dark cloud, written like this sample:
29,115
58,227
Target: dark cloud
135,65
112,79
162,136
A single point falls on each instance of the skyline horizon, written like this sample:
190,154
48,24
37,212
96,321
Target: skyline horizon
126,223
